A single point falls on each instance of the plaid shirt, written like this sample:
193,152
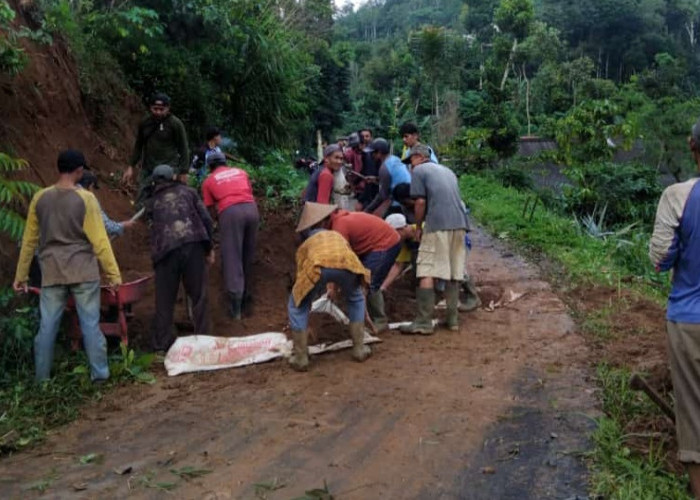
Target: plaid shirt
326,249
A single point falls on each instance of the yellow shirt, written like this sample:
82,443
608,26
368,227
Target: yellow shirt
325,249
404,255
66,226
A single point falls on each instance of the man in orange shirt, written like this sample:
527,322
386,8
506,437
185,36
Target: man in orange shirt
377,244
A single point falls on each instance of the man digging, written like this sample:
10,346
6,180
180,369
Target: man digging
325,261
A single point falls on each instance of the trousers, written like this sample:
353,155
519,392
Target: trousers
186,264
350,285
379,263
52,302
238,230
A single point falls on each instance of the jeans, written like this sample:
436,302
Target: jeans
349,284
379,263
52,302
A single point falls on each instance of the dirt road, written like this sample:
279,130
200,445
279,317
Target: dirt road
498,410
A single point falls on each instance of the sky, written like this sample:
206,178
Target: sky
342,3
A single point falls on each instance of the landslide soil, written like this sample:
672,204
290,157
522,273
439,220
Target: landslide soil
496,410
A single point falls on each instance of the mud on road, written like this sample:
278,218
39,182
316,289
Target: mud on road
498,410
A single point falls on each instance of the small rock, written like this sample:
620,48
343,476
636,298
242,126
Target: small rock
488,470
79,486
554,435
124,469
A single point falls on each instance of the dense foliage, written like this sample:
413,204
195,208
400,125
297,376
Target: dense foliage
266,73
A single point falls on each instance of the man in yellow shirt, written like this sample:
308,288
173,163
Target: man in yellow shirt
325,258
65,223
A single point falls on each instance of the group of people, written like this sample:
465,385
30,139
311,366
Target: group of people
68,234
408,209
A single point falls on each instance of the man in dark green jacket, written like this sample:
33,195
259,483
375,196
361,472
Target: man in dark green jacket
161,139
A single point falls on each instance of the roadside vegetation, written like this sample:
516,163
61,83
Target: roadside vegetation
633,448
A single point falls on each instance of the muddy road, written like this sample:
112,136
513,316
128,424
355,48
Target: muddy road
499,410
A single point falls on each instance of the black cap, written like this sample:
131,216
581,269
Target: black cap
89,179
379,145
70,160
160,99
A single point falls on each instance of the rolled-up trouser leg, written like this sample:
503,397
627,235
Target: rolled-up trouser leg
195,278
87,304
299,315
52,301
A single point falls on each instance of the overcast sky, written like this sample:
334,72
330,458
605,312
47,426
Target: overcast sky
356,3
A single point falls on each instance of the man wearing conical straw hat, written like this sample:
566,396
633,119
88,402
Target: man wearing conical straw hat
325,258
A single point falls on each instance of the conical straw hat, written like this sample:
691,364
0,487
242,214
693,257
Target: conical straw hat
314,213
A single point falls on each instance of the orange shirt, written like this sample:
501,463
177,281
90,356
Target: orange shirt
366,233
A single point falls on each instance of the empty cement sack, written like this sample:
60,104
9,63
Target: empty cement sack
196,353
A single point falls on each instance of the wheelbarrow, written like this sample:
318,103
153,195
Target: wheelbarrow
116,310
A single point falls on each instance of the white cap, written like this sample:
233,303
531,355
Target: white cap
397,221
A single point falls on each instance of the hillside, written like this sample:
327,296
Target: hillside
44,111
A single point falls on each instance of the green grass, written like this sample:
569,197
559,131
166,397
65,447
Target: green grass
560,239
28,410
618,472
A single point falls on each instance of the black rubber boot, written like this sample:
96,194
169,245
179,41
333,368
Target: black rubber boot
235,305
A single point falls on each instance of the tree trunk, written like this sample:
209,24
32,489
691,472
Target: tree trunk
437,101
607,64
319,144
482,68
527,101
510,61
690,29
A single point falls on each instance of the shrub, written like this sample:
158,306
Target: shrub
515,175
629,192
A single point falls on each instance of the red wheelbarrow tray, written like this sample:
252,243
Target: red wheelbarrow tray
126,294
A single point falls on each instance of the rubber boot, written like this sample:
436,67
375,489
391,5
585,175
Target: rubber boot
235,304
375,306
473,301
247,306
360,351
299,360
423,324
452,300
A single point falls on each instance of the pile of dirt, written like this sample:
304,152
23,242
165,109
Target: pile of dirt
44,111
272,281
636,335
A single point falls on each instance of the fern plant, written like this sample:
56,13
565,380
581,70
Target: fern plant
13,195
